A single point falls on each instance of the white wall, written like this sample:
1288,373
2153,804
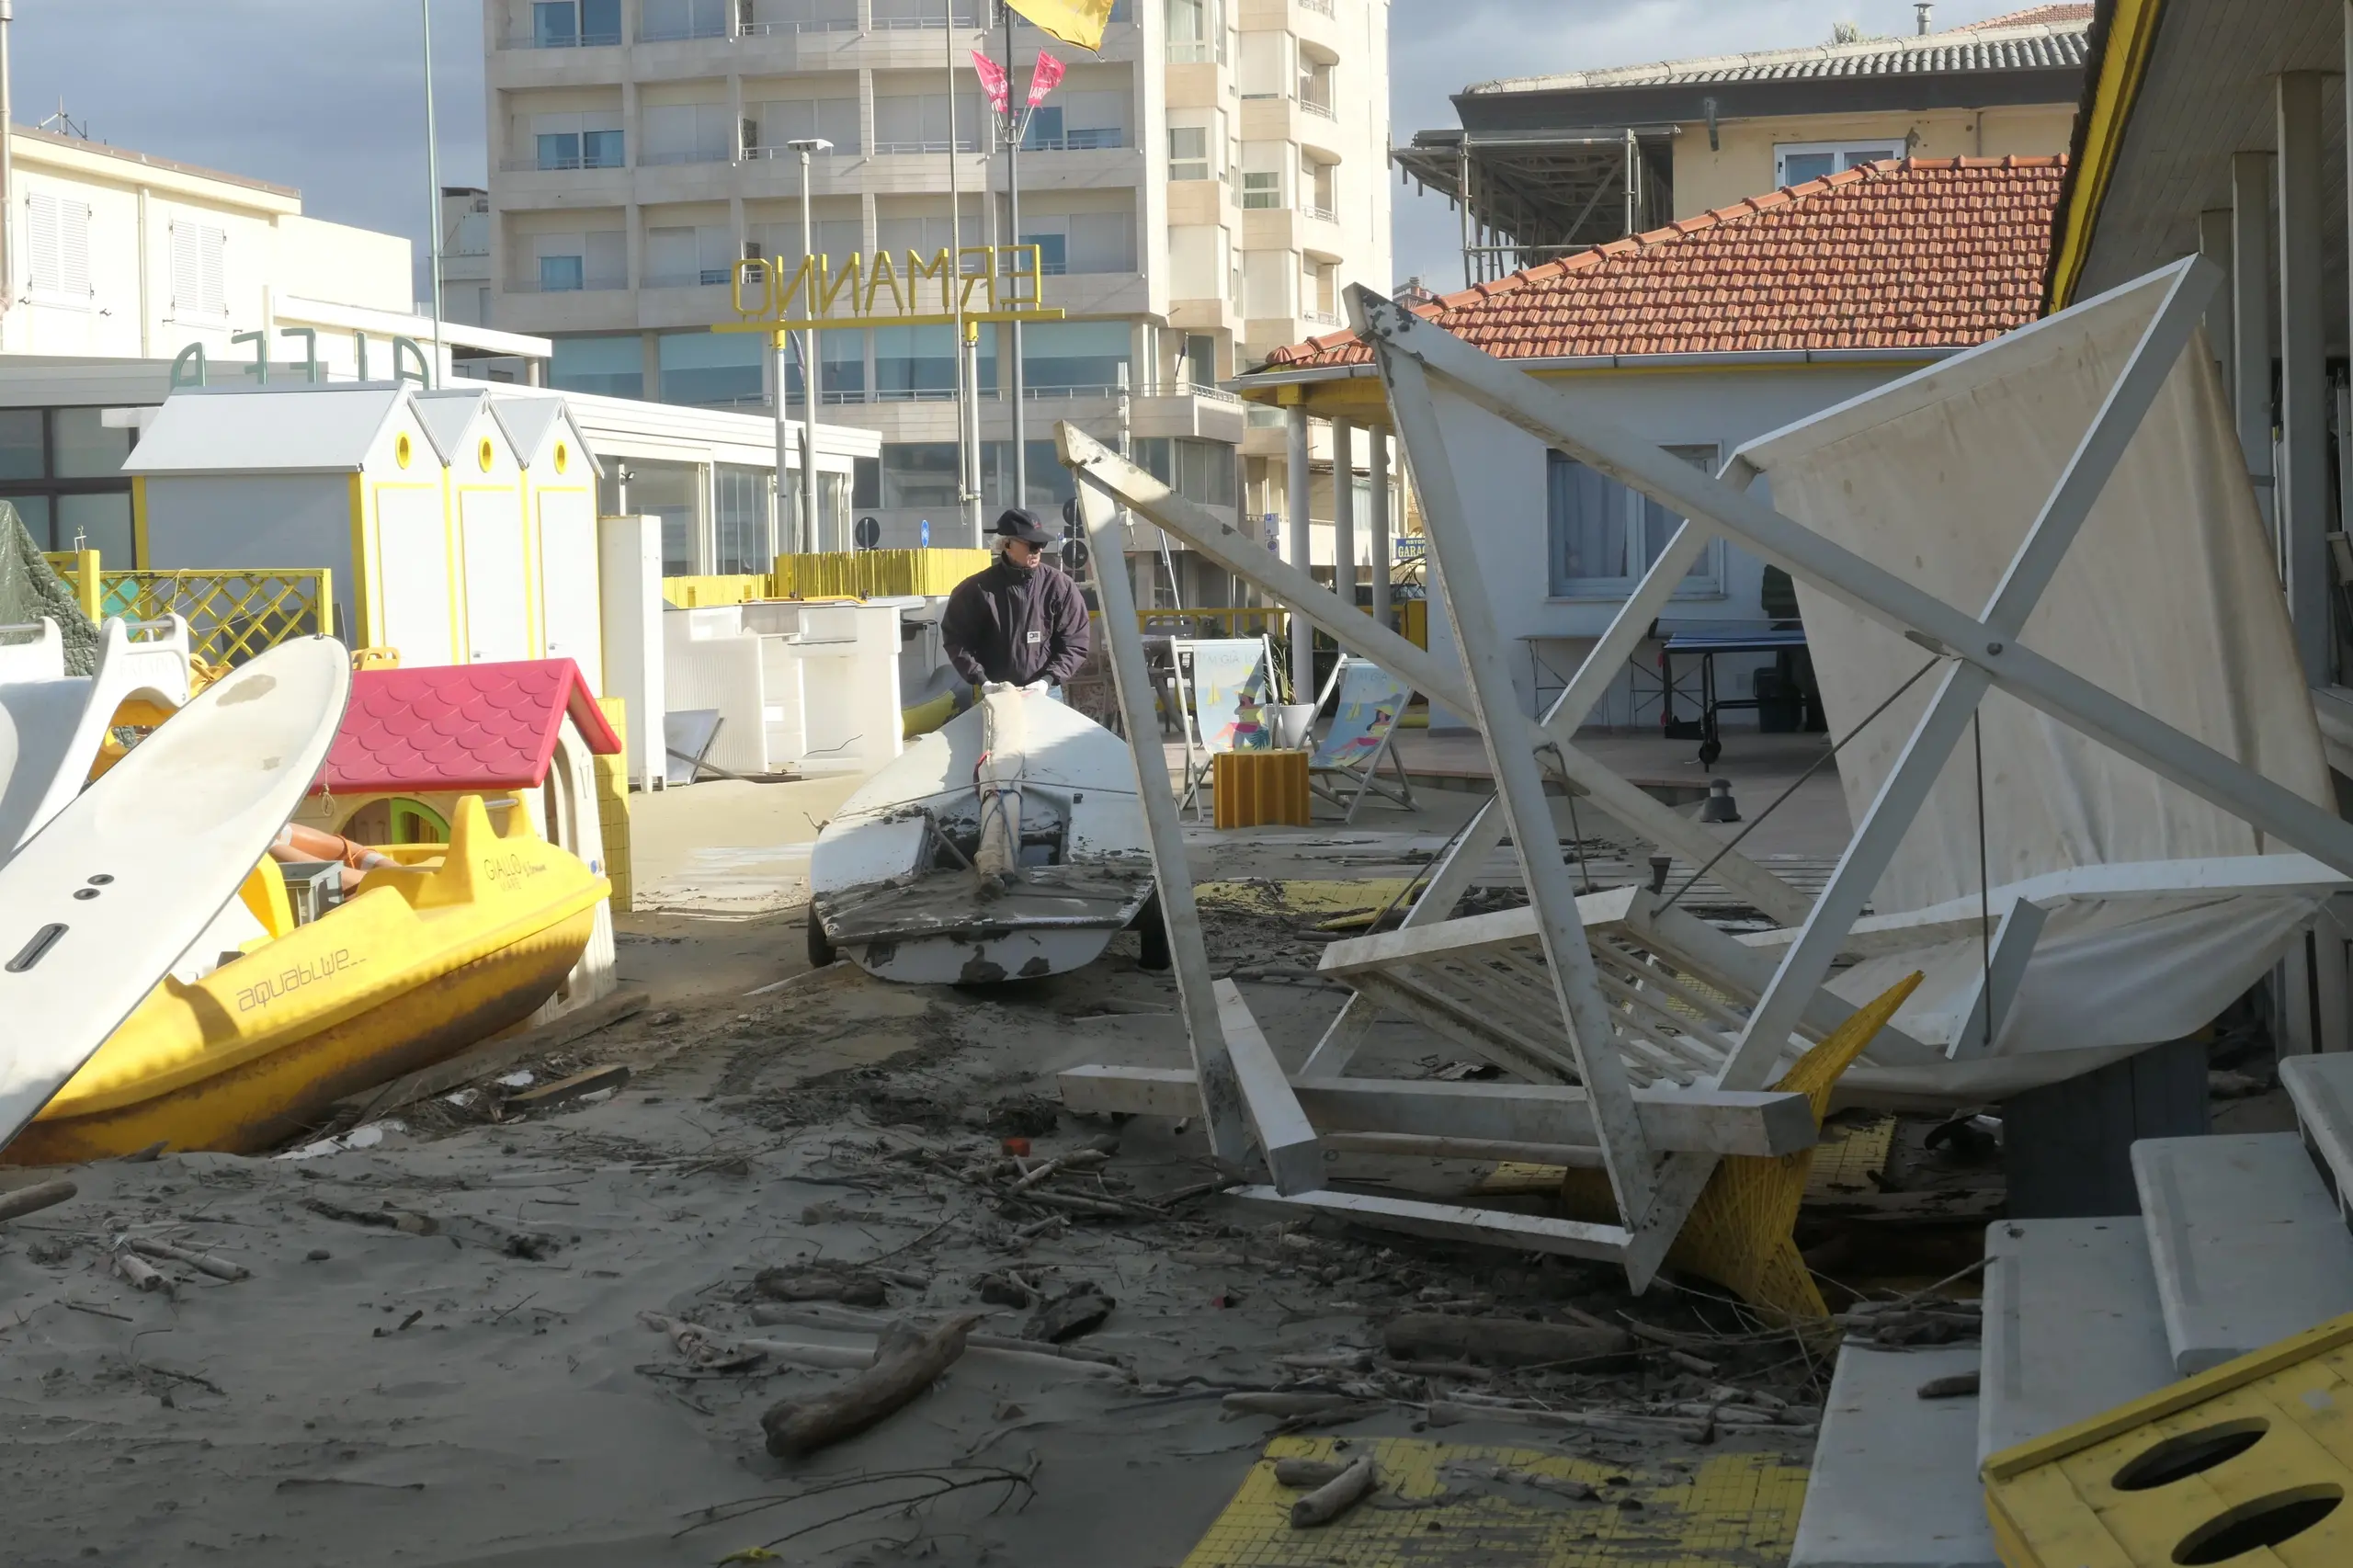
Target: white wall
1501,472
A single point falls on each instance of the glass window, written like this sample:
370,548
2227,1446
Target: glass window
712,369
21,445
914,364
1188,151
1045,133
1262,188
1075,354
559,148
866,486
666,491
34,511
86,448
600,21
613,367
1603,536
99,521
560,274
1794,163
600,150
740,521
920,473
1053,253
556,24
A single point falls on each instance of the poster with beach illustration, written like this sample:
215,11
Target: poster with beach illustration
1366,703
1228,682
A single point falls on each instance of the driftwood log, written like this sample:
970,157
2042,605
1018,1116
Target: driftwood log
34,1198
1335,1497
906,1362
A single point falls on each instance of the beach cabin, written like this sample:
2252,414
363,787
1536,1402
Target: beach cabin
560,475
344,477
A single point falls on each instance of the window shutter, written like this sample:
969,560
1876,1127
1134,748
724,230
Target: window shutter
187,271
74,250
215,291
40,251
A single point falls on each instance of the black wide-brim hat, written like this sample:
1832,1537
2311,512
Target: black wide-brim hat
1019,522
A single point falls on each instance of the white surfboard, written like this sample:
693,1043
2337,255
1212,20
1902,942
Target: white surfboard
97,905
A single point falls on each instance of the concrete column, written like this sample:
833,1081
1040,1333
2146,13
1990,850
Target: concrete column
1295,476
2214,244
1381,549
1344,510
2304,375
2251,316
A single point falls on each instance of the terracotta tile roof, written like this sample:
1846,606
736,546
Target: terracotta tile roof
1915,254
459,727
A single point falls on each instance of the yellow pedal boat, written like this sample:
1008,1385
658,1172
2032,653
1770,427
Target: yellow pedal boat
450,946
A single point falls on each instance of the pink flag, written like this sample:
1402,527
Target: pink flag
1042,79
992,81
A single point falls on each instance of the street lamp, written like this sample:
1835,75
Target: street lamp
809,375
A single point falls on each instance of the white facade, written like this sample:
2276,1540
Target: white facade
1201,191
116,255
1550,618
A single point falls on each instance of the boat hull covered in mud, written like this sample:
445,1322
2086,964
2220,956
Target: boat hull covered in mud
1008,845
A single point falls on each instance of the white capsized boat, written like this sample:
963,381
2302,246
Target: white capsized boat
1007,845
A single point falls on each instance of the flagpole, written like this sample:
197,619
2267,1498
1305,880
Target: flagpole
1017,124
968,463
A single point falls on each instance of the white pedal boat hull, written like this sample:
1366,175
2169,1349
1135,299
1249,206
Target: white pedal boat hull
898,901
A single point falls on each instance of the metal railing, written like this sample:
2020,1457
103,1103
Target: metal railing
586,286
1317,106
821,24
531,165
1321,6
1235,621
906,24
963,144
681,34
1085,140
706,277
1322,318
841,149
565,40
1324,213
231,616
689,155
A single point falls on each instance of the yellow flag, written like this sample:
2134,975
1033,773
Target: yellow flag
1078,22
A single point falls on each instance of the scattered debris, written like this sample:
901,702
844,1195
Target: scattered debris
1504,1342
1079,1310
219,1269
34,1198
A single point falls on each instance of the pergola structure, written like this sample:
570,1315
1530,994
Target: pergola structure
1655,1097
1531,196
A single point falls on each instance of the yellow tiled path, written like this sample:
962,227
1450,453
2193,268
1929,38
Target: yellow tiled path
1732,1510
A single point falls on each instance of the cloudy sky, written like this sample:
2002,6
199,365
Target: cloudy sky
326,95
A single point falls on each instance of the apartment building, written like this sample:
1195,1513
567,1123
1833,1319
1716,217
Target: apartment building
1199,192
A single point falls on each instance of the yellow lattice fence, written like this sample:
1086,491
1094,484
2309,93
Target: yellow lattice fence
79,570
231,615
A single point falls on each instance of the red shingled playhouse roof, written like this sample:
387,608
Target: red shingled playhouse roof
458,727
1912,254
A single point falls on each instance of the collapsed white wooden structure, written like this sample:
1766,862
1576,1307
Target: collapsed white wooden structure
1629,1004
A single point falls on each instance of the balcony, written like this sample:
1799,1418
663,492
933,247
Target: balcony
1317,107
556,165
1322,7
560,40
705,277
1322,318
816,25
591,285
684,156
1079,140
962,145
681,32
1320,214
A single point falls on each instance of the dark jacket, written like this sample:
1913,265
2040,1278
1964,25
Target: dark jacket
1016,626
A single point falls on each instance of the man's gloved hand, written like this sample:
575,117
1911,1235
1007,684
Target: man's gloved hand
1040,685
989,688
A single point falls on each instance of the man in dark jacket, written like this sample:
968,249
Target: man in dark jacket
1021,620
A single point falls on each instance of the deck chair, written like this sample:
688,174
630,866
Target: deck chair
1223,685
1366,702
